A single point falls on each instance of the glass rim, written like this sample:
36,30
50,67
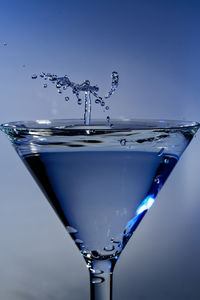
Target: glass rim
112,124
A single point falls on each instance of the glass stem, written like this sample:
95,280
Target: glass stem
101,273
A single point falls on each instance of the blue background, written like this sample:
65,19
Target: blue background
155,47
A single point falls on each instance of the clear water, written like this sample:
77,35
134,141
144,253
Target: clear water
100,180
62,83
100,196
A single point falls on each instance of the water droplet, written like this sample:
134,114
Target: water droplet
66,98
161,151
97,280
87,82
45,85
97,101
71,229
63,82
108,119
109,248
77,241
34,76
123,142
114,74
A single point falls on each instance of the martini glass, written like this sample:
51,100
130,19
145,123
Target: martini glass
100,179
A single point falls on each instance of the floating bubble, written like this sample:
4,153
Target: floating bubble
45,85
34,76
107,107
79,101
66,98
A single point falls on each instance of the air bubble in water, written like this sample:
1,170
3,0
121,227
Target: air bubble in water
34,76
123,142
79,101
59,91
109,248
45,85
96,271
107,107
116,242
97,280
71,229
78,241
102,103
66,98
108,119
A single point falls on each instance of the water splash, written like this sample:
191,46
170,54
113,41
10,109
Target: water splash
90,91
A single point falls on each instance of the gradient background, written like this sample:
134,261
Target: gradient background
155,47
